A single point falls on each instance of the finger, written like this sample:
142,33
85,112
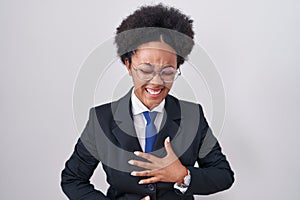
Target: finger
145,165
168,146
146,156
149,180
146,198
142,173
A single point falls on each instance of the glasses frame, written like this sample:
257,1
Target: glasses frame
178,73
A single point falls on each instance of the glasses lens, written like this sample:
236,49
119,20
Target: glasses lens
168,74
145,71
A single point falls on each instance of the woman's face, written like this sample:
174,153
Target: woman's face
156,55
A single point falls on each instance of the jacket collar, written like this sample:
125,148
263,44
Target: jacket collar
124,130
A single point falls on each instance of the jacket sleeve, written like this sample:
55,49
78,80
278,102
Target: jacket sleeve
75,178
214,173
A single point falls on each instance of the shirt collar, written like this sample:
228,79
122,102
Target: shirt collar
138,107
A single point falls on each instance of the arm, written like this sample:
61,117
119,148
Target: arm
75,178
214,173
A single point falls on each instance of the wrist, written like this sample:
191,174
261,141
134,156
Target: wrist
183,185
182,177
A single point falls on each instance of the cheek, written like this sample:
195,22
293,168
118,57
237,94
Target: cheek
168,86
139,86
137,82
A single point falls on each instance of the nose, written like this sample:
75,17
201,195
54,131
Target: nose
157,79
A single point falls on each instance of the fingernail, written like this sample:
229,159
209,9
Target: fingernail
133,173
130,162
168,139
136,153
140,182
147,198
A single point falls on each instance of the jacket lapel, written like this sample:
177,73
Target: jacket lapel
123,127
171,126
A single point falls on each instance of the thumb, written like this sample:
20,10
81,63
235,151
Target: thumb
168,146
146,198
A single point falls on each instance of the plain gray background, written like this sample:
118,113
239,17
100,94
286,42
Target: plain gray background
254,44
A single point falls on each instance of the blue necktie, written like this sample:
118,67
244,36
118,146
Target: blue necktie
150,130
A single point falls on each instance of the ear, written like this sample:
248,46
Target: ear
128,66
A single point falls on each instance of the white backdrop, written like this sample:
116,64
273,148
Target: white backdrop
254,44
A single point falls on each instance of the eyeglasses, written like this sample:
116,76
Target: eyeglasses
146,72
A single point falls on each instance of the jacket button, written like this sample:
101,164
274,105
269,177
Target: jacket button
151,187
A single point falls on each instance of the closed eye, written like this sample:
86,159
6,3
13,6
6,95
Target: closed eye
146,71
168,71
146,68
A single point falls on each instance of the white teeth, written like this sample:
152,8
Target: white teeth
153,91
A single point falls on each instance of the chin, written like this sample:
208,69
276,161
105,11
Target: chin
152,96
152,99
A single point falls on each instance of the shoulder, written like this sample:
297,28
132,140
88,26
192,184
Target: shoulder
114,108
103,108
182,104
184,109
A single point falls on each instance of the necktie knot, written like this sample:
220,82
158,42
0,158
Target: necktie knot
149,116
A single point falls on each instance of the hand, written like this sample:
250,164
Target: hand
146,198
166,169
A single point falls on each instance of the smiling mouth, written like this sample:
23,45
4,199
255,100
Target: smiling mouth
153,91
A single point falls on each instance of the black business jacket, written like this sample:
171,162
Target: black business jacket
109,137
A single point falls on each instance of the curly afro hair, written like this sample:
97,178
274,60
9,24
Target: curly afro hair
155,23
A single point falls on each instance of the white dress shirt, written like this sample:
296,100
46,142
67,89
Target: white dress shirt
140,125
139,120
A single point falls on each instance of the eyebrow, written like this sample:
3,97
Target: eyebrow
153,65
